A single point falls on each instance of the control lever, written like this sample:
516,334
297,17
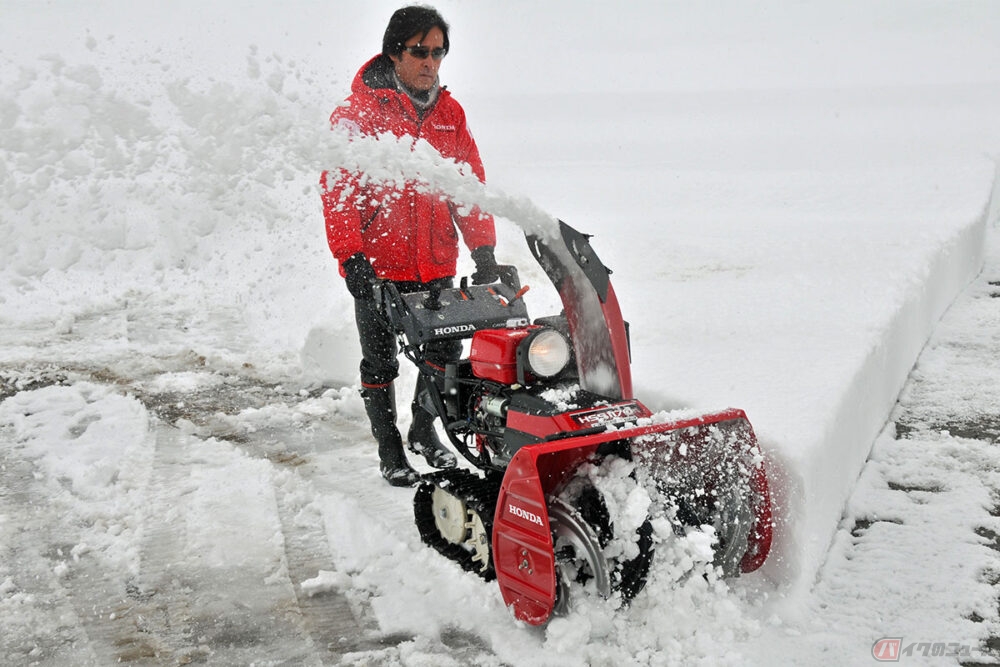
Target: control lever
433,300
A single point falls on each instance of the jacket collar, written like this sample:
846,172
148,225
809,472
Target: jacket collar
378,76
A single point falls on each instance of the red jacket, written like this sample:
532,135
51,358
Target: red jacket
407,235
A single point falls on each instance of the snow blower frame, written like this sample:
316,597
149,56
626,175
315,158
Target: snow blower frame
530,404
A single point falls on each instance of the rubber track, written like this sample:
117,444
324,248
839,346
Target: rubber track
479,495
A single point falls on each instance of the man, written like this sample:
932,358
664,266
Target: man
403,235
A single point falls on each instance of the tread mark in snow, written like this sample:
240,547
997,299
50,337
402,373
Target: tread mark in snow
913,488
32,576
164,616
861,525
327,617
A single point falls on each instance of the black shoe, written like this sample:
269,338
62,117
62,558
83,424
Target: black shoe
380,404
436,457
400,475
423,439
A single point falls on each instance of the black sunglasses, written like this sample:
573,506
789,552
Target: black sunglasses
421,52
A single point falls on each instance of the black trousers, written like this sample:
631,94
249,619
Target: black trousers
379,363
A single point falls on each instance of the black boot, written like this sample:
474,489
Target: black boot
380,404
422,437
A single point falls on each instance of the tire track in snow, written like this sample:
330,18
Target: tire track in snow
328,619
158,615
327,616
334,459
315,462
83,585
31,590
198,611
162,590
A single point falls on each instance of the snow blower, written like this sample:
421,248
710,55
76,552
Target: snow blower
534,404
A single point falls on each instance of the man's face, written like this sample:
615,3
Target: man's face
419,74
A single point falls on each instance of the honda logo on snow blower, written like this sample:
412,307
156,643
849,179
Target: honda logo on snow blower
458,328
524,514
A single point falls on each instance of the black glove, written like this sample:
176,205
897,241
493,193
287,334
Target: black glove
360,276
487,270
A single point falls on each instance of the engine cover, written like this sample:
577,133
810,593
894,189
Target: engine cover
494,353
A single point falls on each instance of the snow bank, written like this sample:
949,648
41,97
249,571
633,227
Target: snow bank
162,185
818,462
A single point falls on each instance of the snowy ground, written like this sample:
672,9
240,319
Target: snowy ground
169,508
789,199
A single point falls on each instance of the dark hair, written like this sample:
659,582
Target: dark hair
410,21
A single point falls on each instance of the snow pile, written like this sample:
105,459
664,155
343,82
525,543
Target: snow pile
164,185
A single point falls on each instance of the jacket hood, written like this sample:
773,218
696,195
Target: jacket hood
376,74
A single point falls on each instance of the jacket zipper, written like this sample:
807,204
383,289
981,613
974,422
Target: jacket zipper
368,224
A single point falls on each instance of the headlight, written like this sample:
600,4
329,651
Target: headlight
548,352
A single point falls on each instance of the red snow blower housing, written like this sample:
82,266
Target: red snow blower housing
536,403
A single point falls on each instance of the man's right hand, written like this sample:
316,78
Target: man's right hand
360,276
487,270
